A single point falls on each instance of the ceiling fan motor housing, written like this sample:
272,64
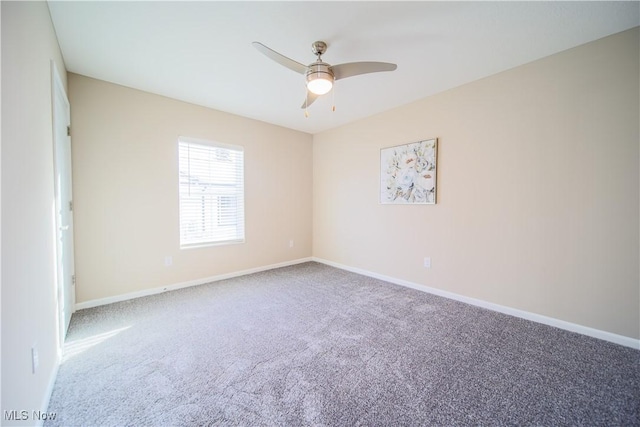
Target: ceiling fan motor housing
320,68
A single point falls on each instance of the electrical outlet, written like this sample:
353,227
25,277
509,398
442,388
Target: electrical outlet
168,260
291,243
427,262
35,358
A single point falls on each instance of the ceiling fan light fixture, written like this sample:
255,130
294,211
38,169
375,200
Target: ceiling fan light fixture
319,79
319,85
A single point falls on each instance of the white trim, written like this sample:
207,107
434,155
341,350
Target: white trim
573,327
196,282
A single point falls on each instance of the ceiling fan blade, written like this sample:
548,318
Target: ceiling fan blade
310,98
281,59
350,69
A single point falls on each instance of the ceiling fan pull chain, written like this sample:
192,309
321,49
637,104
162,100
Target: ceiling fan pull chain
333,99
306,102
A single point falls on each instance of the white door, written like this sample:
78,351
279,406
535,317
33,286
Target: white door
64,203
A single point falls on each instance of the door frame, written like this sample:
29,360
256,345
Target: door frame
62,256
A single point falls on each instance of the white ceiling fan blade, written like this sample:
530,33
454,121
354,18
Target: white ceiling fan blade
350,69
310,98
281,59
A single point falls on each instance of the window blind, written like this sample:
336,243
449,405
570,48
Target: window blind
211,177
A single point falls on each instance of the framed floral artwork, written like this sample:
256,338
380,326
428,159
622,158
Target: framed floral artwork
408,173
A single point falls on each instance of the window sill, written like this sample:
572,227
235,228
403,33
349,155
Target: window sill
210,244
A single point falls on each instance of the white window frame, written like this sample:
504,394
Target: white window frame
204,221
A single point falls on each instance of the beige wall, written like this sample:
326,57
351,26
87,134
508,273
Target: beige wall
126,190
538,189
28,258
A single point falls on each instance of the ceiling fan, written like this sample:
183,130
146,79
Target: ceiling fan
319,75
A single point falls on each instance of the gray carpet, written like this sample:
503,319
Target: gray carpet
314,345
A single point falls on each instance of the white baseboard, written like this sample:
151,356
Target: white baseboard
196,282
573,327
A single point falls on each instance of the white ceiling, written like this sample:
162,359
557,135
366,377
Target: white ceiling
201,52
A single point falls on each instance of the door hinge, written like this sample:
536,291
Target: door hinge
68,130
73,280
71,205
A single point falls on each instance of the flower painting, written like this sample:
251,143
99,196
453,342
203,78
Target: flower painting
408,173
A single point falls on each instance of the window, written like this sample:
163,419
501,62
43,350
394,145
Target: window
211,193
